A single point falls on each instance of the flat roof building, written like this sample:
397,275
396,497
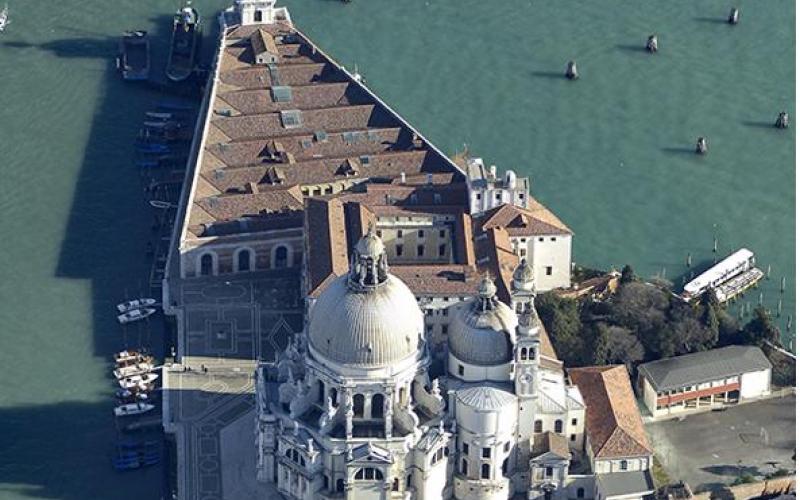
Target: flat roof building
704,379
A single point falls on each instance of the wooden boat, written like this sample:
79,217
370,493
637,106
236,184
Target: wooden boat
135,304
137,381
131,409
185,44
135,315
134,56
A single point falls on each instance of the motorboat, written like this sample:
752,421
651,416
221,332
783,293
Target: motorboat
4,20
134,56
136,381
134,398
141,388
135,315
152,147
126,356
130,409
136,360
186,36
131,370
126,463
135,304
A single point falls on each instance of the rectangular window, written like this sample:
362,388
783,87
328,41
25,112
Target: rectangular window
445,311
507,446
464,446
523,252
548,472
442,250
461,369
487,453
573,437
399,250
444,329
291,118
420,250
548,270
379,233
522,196
553,238
498,196
574,421
420,233
400,233
623,465
442,233
477,196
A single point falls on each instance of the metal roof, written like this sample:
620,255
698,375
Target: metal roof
625,483
673,373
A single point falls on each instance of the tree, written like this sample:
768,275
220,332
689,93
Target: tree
688,334
641,308
615,344
710,318
627,274
561,319
760,329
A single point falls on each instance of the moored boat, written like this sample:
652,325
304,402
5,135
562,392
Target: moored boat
135,304
727,278
4,20
134,56
130,371
185,44
135,315
137,381
126,356
130,409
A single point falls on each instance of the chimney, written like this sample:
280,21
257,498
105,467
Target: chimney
402,177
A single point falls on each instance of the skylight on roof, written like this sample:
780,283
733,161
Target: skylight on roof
281,94
320,136
273,74
291,118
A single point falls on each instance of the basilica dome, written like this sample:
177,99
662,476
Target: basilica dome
483,329
368,317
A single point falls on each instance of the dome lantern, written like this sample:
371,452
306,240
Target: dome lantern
369,267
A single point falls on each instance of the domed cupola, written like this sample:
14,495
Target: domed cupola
367,318
483,330
523,276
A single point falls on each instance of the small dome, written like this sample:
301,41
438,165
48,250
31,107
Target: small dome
523,276
487,288
483,329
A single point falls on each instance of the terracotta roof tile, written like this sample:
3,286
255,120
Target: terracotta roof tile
613,423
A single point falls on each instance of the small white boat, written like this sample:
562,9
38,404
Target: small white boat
123,357
4,20
135,304
135,315
126,396
130,371
132,409
137,381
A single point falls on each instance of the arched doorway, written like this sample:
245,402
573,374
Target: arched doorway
243,259
206,264
377,406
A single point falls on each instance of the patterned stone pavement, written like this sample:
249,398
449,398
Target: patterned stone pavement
228,324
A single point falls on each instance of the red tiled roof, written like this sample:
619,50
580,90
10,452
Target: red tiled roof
613,423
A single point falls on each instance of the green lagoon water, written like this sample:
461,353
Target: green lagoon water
611,154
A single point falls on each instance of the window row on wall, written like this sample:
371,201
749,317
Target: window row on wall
244,260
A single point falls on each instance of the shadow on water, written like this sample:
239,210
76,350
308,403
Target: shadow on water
686,150
755,124
63,450
711,20
627,47
548,74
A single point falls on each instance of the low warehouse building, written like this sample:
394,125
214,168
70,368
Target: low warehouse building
704,379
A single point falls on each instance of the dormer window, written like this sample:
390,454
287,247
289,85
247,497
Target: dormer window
281,94
291,118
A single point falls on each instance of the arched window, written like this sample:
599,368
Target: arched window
623,465
537,426
580,493
280,257
206,264
258,16
558,426
321,392
243,259
485,471
289,453
377,406
396,485
340,485
523,353
358,405
464,466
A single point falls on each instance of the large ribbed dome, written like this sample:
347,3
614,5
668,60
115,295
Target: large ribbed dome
482,330
379,326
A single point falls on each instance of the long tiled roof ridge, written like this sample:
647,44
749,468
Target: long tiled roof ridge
613,422
519,221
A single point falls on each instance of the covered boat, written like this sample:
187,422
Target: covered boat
135,304
185,44
135,315
129,409
134,56
137,381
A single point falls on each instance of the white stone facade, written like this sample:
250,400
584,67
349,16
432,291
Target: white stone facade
487,190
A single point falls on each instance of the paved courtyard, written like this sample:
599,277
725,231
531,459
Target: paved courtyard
228,324
710,450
